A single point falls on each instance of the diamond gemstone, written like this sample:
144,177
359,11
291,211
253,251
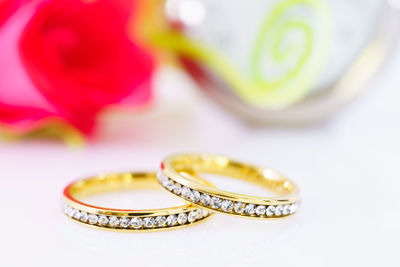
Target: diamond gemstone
113,221
177,189
169,185
286,210
136,223
92,219
192,216
260,210
205,213
239,207
84,216
69,211
293,208
77,214
148,222
171,220
124,222
186,192
182,218
161,221
270,211
250,209
278,210
195,196
103,220
227,206
205,199
216,202
199,214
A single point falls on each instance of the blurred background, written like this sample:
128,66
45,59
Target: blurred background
307,87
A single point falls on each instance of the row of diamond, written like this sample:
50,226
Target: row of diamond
136,223
225,205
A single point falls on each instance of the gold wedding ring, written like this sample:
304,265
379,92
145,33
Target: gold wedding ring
123,219
176,178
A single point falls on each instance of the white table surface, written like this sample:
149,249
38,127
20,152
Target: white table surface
347,169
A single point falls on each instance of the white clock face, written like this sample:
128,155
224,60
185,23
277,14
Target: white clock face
337,31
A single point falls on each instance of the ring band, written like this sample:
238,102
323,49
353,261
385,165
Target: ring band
173,175
122,219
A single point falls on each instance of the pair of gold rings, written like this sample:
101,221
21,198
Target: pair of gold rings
180,175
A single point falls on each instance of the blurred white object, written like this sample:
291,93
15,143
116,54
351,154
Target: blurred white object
363,35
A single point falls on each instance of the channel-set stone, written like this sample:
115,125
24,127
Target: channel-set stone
250,209
92,219
239,207
278,210
102,220
161,221
124,222
192,216
195,196
186,192
227,206
260,210
182,218
171,220
270,211
205,199
113,221
136,223
148,222
84,216
215,202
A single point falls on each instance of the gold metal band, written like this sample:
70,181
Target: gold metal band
121,219
175,177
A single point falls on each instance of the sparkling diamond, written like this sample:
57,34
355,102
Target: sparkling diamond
199,214
77,214
293,208
205,213
84,216
69,211
92,219
250,209
227,206
270,211
286,210
171,220
113,221
161,221
182,218
136,223
239,207
278,210
186,192
177,189
148,222
216,202
195,196
124,222
169,185
103,220
192,216
260,210
205,199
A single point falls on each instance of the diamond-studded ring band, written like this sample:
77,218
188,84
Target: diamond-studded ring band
121,219
186,186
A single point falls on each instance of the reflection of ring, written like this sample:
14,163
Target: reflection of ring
173,175
121,219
